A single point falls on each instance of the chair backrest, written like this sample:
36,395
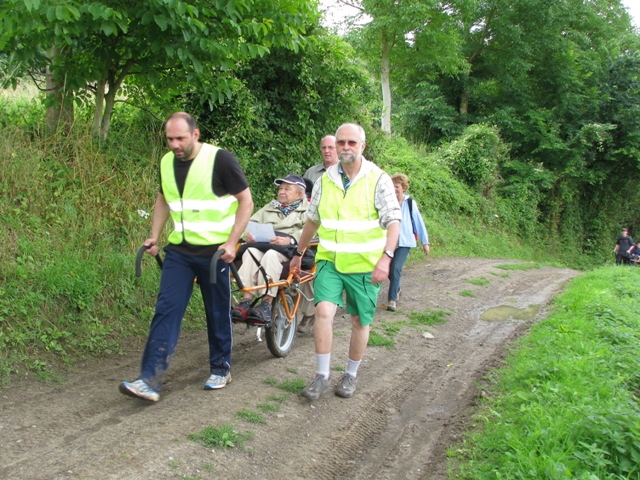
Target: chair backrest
309,188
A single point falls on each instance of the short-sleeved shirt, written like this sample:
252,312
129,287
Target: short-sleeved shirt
625,244
227,179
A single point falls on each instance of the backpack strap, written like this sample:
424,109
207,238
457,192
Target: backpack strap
413,223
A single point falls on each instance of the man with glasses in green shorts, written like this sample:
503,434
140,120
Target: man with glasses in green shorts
351,207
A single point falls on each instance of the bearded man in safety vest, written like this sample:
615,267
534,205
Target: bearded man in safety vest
352,205
204,192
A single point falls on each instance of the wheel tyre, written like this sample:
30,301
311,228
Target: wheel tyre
281,334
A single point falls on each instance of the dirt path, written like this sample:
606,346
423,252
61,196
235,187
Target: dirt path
407,410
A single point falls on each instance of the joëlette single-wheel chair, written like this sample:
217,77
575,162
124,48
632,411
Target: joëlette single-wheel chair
281,331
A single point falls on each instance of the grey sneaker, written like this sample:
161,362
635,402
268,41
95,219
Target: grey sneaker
319,386
391,306
346,385
217,381
306,324
139,389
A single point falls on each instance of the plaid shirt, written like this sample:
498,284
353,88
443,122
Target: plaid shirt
386,202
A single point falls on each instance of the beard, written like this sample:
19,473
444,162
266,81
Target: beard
186,152
347,157
184,155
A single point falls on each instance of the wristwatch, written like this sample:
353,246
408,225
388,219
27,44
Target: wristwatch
292,241
389,253
297,253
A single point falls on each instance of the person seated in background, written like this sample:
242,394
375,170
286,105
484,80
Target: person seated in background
634,254
287,214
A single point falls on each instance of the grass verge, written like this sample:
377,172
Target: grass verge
566,403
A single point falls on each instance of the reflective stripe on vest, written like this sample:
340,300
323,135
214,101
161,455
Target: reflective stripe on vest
200,217
350,233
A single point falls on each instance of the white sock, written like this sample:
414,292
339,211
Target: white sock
324,364
352,367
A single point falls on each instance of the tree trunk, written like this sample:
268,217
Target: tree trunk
60,111
110,99
464,96
385,71
97,115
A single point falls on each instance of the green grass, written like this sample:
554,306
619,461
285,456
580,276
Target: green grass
517,266
268,407
271,381
479,281
391,329
224,436
281,398
292,386
428,317
376,339
566,403
274,401
503,275
250,416
467,293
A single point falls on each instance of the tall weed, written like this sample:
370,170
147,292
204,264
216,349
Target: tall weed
71,214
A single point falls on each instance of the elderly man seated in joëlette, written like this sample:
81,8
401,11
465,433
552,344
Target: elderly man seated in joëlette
287,215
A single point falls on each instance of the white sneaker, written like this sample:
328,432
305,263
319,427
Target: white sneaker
217,381
139,389
391,305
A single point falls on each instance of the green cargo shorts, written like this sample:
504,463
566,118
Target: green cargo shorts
362,296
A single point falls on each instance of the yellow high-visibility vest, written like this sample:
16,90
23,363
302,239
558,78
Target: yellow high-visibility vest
350,233
200,217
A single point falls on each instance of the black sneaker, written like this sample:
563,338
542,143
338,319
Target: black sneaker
239,314
261,315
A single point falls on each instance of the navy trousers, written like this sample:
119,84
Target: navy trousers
176,287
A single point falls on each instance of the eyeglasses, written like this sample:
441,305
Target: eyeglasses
342,143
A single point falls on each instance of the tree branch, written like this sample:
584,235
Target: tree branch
349,4
139,107
37,84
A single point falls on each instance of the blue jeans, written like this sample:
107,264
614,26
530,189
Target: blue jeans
395,271
176,287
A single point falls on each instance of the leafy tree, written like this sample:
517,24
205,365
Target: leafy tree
388,40
559,79
475,156
90,48
286,103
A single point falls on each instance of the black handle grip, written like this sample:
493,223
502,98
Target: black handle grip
213,271
141,251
